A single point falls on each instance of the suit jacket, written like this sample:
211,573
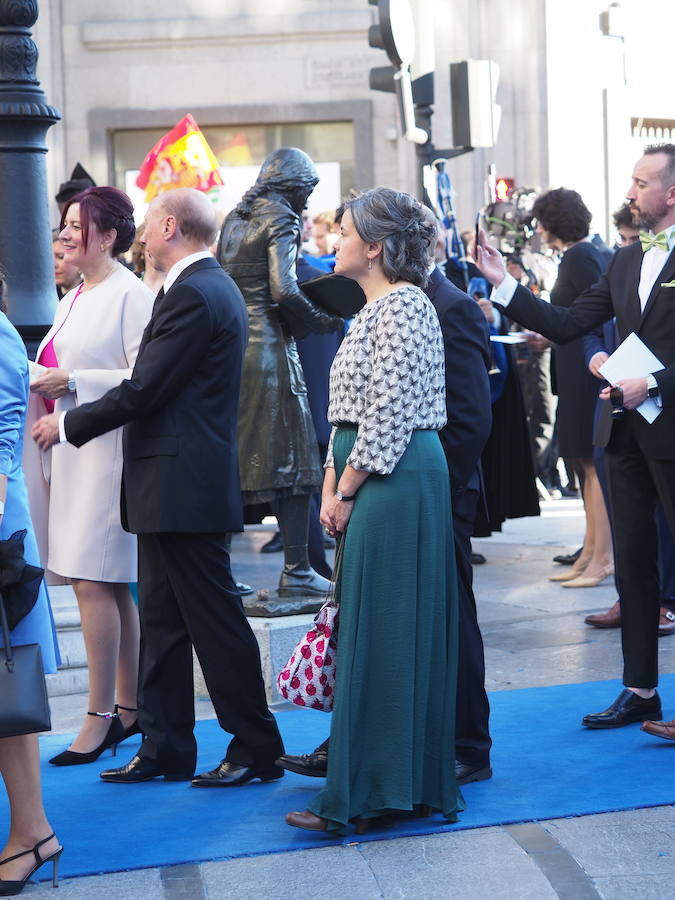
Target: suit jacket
316,353
467,386
616,294
179,409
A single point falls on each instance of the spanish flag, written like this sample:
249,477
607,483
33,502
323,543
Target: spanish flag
182,158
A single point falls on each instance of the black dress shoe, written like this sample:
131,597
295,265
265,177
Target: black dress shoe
477,559
274,545
141,769
626,709
229,774
296,582
466,774
568,559
313,764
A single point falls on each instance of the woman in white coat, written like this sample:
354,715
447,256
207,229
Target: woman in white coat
91,348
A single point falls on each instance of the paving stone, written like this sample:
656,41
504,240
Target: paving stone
630,887
141,883
618,845
477,864
333,873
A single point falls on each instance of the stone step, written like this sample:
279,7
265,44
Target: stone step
276,638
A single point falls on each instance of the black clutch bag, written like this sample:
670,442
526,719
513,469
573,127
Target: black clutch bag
24,707
337,294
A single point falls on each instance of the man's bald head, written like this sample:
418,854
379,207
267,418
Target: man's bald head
194,214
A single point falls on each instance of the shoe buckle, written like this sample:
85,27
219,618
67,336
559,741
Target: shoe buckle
670,615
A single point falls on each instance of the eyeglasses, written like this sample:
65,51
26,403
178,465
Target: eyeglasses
616,399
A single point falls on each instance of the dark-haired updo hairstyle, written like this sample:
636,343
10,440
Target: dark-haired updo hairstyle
107,208
404,226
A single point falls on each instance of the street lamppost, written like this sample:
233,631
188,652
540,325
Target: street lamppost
25,238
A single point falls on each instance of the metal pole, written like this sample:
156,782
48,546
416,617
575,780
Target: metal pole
25,238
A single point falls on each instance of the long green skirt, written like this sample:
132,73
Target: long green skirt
392,739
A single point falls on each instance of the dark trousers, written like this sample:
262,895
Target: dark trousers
665,538
472,734
636,482
187,597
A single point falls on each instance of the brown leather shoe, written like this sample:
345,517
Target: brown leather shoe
666,622
306,820
660,729
609,619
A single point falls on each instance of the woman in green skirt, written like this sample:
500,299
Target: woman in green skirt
386,494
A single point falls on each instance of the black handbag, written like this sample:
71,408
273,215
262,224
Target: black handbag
24,707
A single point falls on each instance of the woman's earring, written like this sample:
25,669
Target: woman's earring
370,264
102,248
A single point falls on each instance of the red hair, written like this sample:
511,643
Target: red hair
106,208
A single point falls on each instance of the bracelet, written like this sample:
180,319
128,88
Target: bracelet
2,507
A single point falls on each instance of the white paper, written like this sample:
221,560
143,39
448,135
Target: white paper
516,337
633,359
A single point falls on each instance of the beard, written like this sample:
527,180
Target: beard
648,219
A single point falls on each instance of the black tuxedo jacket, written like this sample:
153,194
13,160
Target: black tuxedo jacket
179,409
616,294
467,386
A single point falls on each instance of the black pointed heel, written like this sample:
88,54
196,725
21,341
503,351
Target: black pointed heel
12,888
112,739
134,727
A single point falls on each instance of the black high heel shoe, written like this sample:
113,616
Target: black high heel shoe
115,734
11,888
134,727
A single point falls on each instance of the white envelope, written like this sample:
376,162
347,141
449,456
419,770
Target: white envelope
633,359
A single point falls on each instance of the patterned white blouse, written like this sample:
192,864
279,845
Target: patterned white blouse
388,378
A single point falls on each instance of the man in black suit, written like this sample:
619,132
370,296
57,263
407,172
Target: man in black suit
181,495
639,289
467,392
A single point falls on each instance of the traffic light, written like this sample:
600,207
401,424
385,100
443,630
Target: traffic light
503,189
475,115
395,34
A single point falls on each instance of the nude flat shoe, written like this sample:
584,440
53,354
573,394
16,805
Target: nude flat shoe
589,581
567,575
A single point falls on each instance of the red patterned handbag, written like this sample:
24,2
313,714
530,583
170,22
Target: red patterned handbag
308,678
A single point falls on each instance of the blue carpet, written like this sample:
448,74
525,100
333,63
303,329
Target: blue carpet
545,766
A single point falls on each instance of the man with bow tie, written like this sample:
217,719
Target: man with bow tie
638,288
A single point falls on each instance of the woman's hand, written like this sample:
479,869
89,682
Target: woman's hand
335,514
490,261
51,384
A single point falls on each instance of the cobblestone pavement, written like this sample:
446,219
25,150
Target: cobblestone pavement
534,635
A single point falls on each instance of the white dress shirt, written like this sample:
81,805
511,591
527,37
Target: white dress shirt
169,280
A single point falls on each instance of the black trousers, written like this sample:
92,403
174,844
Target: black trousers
472,734
187,597
636,482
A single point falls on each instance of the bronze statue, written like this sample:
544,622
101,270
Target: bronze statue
278,455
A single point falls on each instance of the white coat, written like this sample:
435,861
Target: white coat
75,493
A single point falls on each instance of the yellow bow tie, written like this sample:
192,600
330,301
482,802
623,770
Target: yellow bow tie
659,240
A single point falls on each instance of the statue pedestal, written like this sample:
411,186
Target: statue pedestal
277,634
268,604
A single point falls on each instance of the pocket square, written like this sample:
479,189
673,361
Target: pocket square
668,283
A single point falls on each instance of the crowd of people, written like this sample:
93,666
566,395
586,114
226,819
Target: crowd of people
154,415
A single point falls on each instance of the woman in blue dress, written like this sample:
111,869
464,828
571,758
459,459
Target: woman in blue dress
31,840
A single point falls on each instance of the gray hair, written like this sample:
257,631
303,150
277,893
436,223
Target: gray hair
668,150
194,214
404,226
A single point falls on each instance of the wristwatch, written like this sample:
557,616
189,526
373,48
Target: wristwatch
71,382
344,497
652,386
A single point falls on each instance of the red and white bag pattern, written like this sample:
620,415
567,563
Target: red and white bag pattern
308,678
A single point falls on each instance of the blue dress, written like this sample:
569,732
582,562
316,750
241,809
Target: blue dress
38,626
